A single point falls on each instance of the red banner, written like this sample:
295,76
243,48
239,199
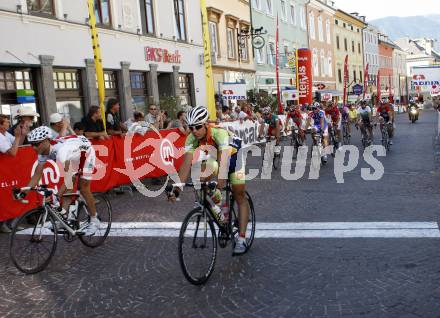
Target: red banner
120,160
379,93
365,79
304,76
345,79
277,70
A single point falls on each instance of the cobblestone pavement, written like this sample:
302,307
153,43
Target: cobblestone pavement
352,277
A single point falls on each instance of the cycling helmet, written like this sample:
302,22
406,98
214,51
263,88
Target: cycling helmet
196,116
266,110
315,105
39,134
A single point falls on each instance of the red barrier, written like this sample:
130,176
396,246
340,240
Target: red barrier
119,161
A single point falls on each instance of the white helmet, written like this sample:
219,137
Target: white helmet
196,116
39,134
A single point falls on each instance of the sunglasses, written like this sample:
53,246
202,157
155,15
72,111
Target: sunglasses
153,108
36,144
193,128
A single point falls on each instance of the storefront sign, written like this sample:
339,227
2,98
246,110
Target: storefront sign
304,76
233,91
289,94
326,97
162,55
25,96
358,89
425,79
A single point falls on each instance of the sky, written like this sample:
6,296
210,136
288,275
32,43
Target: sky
375,9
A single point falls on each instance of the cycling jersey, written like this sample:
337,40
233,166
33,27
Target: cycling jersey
333,113
364,113
384,112
352,114
316,117
221,139
345,113
70,149
272,121
296,116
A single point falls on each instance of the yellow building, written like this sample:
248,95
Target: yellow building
348,41
231,62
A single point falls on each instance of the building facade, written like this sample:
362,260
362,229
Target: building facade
386,48
292,35
371,55
348,41
149,49
231,56
320,15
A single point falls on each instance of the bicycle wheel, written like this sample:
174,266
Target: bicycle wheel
197,247
250,230
31,249
276,161
104,211
346,135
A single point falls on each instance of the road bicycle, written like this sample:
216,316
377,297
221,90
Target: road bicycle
385,135
202,231
270,153
366,140
317,144
346,132
334,140
295,140
34,237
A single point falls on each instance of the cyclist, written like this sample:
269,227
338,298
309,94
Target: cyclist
333,112
274,127
365,118
352,116
227,145
385,116
74,153
318,124
297,117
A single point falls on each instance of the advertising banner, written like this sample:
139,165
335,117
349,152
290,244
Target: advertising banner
233,91
304,76
425,79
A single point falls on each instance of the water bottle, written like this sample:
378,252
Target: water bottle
213,199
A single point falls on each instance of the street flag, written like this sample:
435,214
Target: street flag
365,80
210,99
280,106
97,58
391,91
379,95
345,79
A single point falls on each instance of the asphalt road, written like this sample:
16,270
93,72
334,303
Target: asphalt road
313,276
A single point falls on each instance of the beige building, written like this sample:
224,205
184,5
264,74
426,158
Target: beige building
231,62
349,41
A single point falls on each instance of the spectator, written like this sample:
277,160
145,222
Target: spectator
154,117
60,126
25,117
165,119
113,121
137,124
179,123
8,145
93,125
225,114
78,128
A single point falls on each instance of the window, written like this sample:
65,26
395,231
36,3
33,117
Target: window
269,7
184,89
256,4
303,17
292,14
231,43
339,75
283,11
44,7
102,12
214,38
66,79
260,56
320,29
315,63
352,46
360,77
110,81
345,44
148,16
323,64
244,50
336,22
271,53
359,48
330,64
337,42
354,75
312,25
13,80
138,83
327,31
179,12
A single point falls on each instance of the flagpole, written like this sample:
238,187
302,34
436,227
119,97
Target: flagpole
280,106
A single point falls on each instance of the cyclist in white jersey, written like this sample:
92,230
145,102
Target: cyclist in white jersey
67,152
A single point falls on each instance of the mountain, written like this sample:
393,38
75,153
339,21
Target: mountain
413,27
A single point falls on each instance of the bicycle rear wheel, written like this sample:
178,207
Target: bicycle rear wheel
31,249
197,247
104,211
250,229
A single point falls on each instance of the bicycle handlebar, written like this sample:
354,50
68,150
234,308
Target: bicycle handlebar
19,193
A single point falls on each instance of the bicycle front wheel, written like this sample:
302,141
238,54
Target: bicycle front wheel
33,243
104,211
197,247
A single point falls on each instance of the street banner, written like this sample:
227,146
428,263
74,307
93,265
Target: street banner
210,98
119,160
365,80
379,93
425,79
304,75
345,80
277,69
97,57
233,91
246,130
